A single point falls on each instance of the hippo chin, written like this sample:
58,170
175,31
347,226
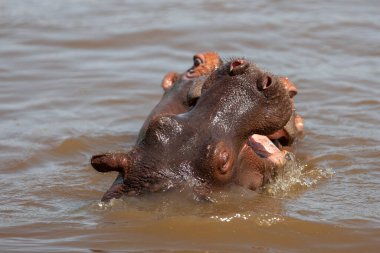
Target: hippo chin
219,140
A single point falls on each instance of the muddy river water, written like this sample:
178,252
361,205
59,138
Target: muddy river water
79,77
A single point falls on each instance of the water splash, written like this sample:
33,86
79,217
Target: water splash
296,177
266,219
230,218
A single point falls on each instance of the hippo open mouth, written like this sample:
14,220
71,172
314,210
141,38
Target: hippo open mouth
266,149
274,147
286,136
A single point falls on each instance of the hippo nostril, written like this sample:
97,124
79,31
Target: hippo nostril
269,81
264,83
237,67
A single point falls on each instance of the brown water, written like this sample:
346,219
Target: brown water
79,77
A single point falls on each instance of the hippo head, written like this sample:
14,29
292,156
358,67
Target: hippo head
208,142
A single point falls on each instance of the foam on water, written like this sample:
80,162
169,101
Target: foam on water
295,177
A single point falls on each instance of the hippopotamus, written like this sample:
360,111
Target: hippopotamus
207,144
175,100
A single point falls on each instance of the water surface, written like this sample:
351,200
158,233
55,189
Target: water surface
79,77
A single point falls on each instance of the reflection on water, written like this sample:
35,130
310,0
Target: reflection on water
79,77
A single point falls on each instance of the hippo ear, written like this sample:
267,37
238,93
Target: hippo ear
111,162
169,80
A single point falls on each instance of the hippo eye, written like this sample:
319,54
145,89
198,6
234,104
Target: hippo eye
238,67
197,61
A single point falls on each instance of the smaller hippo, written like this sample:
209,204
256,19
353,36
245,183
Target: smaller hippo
206,142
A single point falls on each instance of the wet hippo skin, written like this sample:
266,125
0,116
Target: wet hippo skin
285,137
206,142
176,87
174,100
271,150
